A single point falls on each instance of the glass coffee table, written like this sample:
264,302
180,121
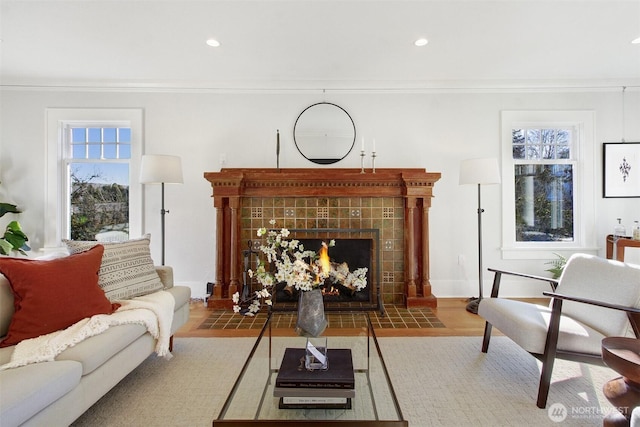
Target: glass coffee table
251,400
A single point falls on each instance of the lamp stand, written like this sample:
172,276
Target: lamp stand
162,213
472,306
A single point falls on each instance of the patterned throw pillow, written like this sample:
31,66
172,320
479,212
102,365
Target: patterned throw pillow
127,269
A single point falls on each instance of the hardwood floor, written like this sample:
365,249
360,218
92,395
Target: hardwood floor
450,311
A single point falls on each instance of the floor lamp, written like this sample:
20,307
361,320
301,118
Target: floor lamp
479,171
161,169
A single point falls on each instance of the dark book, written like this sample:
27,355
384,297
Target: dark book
313,392
339,374
314,403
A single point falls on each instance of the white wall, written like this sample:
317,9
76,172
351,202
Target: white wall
428,130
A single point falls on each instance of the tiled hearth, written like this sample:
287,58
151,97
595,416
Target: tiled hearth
394,318
385,214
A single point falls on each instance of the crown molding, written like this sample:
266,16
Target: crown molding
315,87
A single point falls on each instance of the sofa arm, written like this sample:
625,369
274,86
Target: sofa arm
166,275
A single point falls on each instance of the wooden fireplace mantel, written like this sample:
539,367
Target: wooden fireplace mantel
415,186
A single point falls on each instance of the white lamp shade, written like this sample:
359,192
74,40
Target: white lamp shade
159,168
479,171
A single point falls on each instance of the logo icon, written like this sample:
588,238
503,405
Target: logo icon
557,412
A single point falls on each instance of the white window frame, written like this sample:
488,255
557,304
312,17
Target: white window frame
583,159
56,185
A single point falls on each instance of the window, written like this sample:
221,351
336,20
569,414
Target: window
97,181
544,185
93,166
548,183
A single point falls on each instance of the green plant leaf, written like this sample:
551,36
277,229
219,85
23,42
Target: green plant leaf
557,266
5,247
14,236
6,208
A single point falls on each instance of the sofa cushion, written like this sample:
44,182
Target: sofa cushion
6,305
96,350
127,269
5,354
53,295
166,275
182,295
27,390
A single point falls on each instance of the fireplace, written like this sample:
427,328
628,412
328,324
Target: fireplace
352,253
393,202
354,248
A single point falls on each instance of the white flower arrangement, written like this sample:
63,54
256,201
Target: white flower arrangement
300,269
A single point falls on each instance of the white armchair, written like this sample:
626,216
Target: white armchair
602,300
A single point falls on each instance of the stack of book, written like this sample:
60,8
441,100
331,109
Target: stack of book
299,388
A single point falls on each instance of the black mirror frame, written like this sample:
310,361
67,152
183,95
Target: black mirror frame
325,161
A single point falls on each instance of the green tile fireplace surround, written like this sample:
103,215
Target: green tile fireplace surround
393,201
338,213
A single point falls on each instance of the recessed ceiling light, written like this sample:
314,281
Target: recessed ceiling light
636,41
213,42
421,42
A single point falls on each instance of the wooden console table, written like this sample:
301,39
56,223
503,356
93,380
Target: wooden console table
621,244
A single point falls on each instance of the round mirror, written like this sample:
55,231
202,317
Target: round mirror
324,133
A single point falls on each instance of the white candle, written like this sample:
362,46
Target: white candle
374,145
362,144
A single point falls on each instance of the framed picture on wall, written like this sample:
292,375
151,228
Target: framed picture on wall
621,169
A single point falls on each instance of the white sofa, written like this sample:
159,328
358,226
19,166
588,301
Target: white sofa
56,393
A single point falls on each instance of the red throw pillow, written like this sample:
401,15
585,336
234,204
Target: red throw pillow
53,295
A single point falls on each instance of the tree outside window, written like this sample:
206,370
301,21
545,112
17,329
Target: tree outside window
544,184
98,179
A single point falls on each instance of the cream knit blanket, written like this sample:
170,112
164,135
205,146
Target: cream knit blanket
154,311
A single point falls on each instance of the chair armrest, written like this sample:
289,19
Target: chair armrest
633,313
593,302
498,276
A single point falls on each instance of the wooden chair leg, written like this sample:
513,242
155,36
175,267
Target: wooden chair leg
545,383
487,337
171,343
549,355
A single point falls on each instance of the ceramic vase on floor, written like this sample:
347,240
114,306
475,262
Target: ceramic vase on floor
311,321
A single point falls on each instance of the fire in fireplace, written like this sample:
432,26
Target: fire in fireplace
346,256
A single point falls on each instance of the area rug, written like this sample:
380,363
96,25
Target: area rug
393,318
439,381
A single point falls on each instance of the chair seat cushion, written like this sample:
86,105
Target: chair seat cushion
527,324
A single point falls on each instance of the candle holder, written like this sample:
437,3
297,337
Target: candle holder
362,161
373,161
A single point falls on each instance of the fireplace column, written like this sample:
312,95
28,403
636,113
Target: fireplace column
226,201
410,255
426,285
418,192
227,226
416,253
217,289
234,204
